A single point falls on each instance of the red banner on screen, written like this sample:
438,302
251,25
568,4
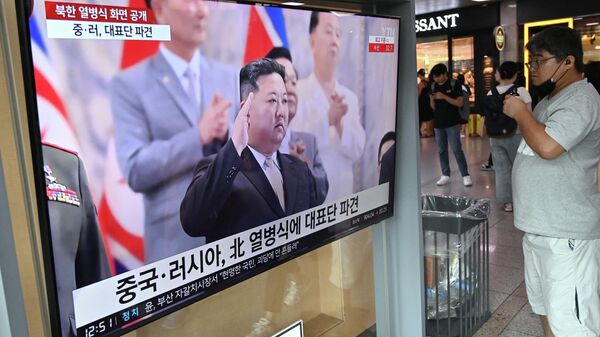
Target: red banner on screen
98,13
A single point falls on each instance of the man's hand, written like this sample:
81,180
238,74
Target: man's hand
239,135
438,95
213,124
297,150
514,106
337,109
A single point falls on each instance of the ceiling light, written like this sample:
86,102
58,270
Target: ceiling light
480,0
512,6
291,3
597,47
580,18
591,23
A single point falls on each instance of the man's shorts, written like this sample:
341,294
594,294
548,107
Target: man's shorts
562,277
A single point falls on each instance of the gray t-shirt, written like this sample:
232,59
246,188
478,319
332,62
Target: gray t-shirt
558,197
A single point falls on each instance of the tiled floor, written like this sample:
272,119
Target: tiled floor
511,314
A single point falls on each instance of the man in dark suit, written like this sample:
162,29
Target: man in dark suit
303,145
169,112
249,182
77,247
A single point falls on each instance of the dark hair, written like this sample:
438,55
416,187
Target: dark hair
279,52
250,73
391,135
438,69
461,81
422,72
148,3
314,21
592,72
560,42
520,81
507,70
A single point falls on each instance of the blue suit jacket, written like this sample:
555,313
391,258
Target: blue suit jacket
158,142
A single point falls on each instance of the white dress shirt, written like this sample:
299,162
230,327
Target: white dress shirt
260,158
338,153
179,67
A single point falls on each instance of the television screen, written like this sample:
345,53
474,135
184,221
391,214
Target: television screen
186,146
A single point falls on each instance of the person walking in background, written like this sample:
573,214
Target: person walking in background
555,204
504,147
465,109
425,111
445,101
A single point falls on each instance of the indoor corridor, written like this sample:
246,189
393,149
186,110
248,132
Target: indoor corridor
511,314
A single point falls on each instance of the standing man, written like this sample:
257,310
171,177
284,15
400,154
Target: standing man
445,100
169,112
285,284
555,203
329,110
303,145
77,246
249,182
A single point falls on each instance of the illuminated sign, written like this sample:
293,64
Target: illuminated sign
500,38
436,22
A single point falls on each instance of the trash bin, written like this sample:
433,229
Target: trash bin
456,242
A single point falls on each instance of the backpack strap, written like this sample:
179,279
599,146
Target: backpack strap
514,86
495,91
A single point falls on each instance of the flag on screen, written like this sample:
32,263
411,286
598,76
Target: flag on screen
266,29
121,211
55,125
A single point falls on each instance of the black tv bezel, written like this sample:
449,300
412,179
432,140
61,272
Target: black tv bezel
24,8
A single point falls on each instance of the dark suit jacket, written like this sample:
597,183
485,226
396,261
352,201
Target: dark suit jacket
311,153
230,194
388,171
79,255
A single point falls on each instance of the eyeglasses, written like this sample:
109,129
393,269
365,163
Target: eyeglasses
535,64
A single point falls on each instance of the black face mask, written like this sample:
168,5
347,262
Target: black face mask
548,86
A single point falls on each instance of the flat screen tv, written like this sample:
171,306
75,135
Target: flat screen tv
173,160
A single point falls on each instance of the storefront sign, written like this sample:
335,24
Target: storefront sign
460,21
436,22
500,37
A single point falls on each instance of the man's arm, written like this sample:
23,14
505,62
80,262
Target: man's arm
91,262
598,176
147,163
213,181
533,131
207,194
457,102
352,139
318,172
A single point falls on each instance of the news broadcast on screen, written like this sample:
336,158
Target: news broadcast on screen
188,145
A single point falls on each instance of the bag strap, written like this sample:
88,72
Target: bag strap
514,86
495,91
